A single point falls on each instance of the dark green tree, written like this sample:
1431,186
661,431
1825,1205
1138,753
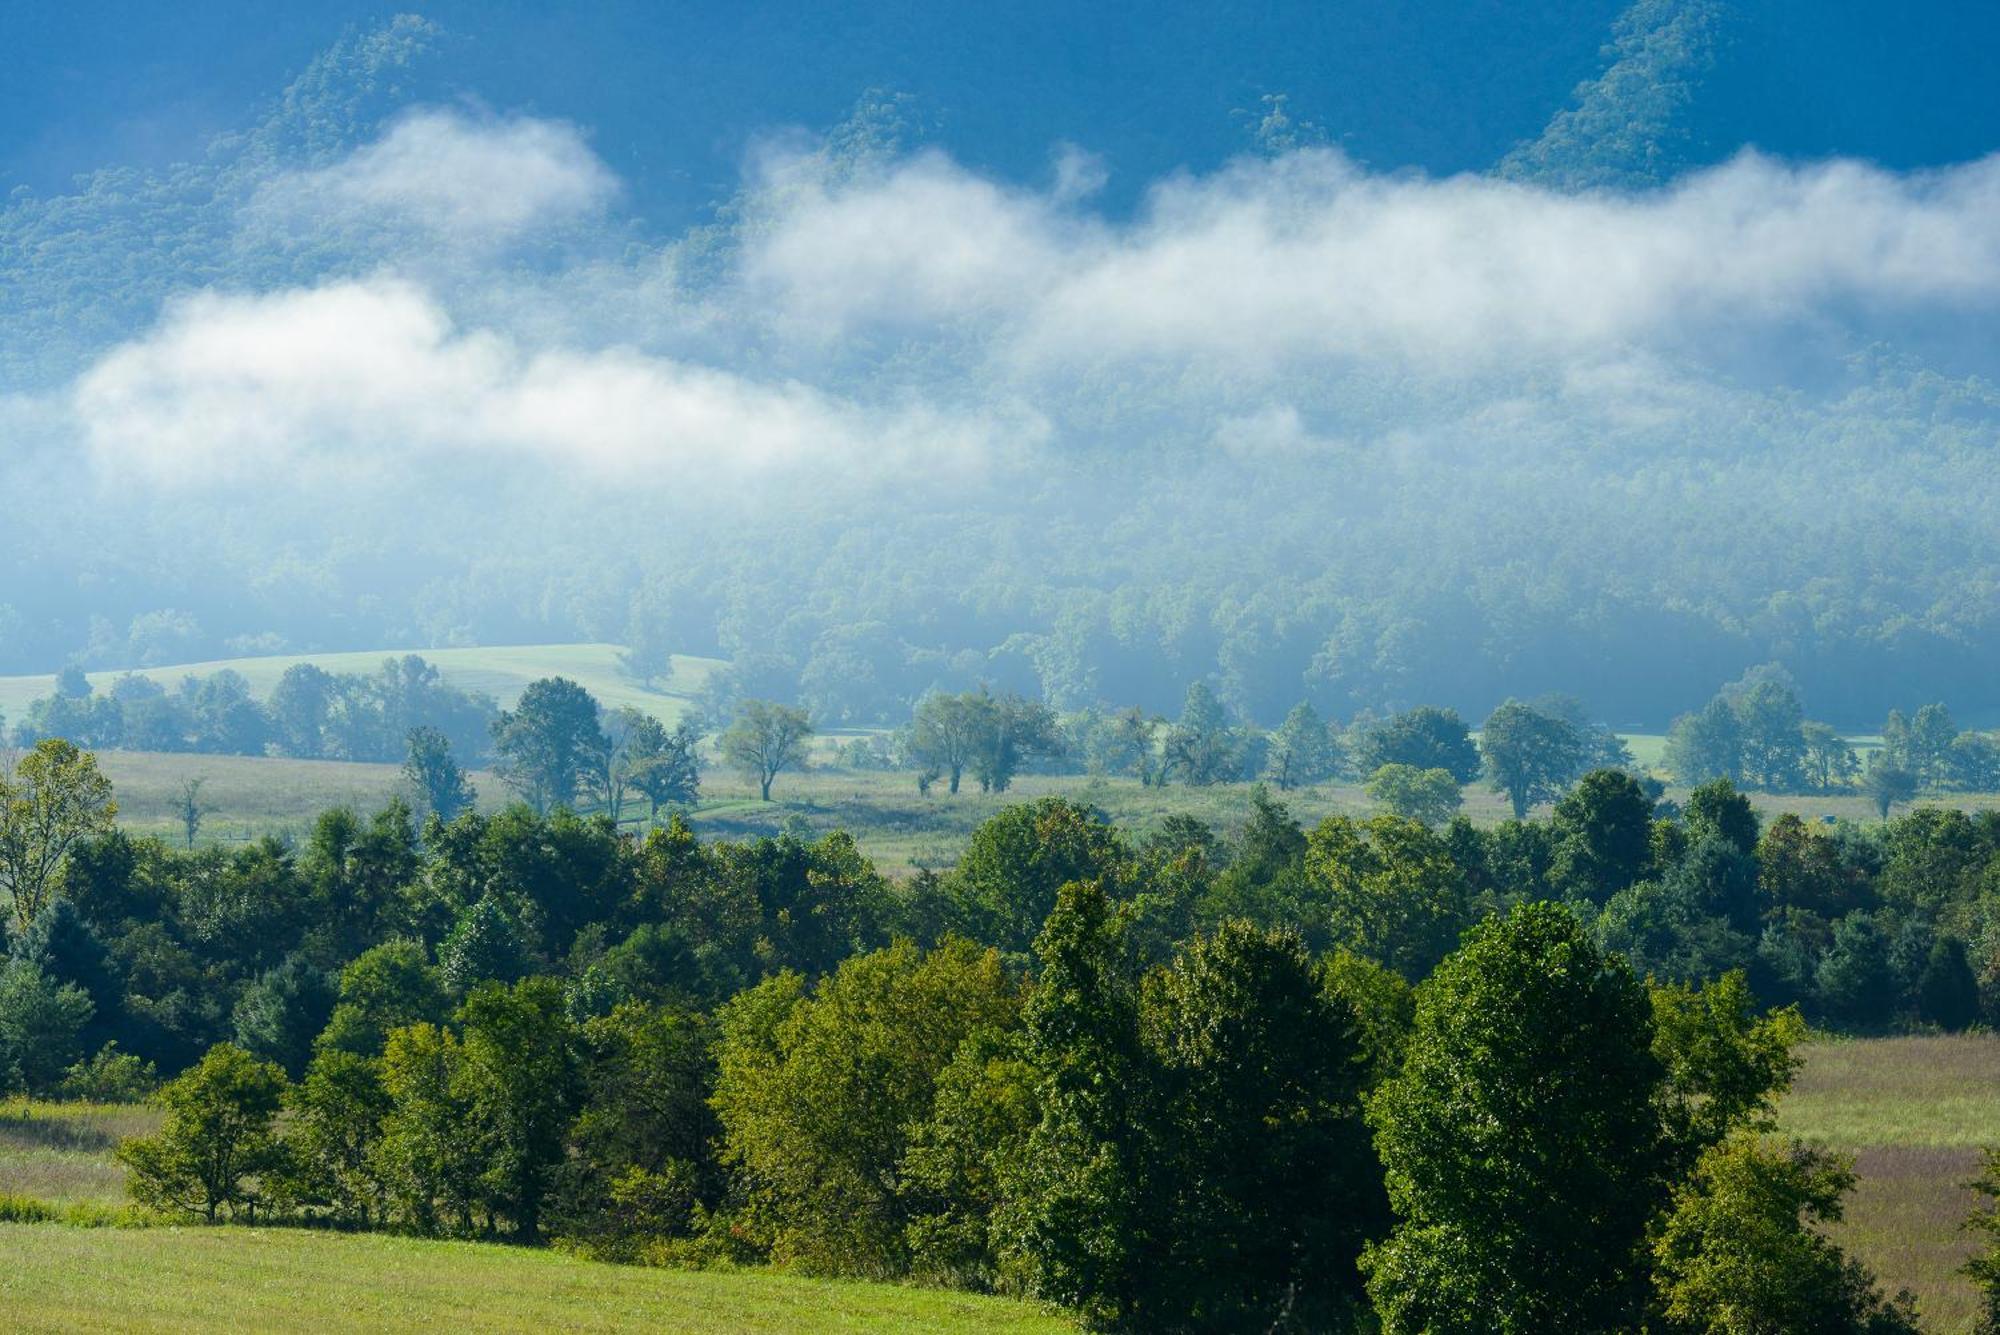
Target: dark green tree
279,1015
519,1076
485,945
41,1027
1424,738
1715,810
1947,991
1264,1182
1075,1199
549,742
1522,1139
430,769
1603,831
1530,756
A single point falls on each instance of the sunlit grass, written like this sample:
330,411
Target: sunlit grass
1913,1112
62,1152
200,1279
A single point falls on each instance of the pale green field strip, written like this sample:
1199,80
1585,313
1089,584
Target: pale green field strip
202,1279
501,671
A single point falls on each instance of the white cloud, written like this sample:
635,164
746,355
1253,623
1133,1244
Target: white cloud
1304,258
1274,308
463,179
374,374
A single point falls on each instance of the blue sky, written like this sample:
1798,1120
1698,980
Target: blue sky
672,93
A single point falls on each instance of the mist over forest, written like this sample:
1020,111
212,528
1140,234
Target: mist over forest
1621,412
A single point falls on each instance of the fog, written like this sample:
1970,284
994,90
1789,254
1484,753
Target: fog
1309,428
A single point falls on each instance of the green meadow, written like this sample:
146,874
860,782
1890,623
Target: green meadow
243,1278
501,671
894,824
1913,1113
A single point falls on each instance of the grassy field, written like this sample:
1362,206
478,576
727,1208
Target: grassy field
251,796
1913,1112
501,671
61,1152
198,1279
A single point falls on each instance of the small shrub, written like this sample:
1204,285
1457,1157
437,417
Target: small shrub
110,1077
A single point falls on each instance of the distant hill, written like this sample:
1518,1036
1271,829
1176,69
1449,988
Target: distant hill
501,671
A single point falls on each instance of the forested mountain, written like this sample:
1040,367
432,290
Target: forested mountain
1614,373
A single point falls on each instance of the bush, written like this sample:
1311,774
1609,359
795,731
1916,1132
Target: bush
110,1077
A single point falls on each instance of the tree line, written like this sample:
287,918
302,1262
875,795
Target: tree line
1754,732
311,714
1378,1067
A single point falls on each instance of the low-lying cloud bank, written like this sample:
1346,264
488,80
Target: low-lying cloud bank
899,318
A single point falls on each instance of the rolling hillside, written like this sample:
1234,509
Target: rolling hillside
501,671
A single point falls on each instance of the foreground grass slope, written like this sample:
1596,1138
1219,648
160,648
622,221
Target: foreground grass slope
501,671
190,1279
1913,1113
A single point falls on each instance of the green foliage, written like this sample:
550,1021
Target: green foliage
1386,888
1303,751
518,1075
1424,738
1529,755
549,742
1725,1066
1074,1206
333,1137
278,1017
1741,1251
1715,810
110,1076
384,988
428,1158
41,1027
952,1173
218,1132
1427,796
485,944
1947,991
765,740
639,1162
1259,1180
1603,831
1008,878
817,1095
56,799
1382,1002
1521,1140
